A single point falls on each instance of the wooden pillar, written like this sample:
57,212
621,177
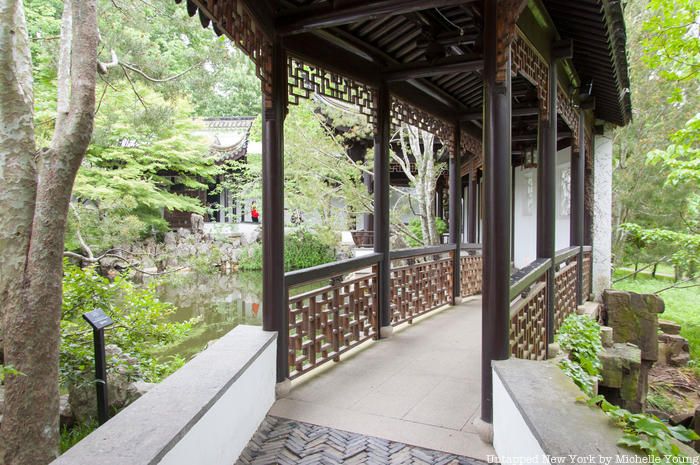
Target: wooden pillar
578,171
275,317
547,191
440,200
497,195
472,218
455,168
381,204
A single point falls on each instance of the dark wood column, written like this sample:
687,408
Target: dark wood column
578,171
471,210
368,218
274,289
547,191
381,201
455,168
497,195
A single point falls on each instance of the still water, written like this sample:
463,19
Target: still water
222,301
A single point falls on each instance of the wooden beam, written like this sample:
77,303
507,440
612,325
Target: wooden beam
476,114
320,18
423,69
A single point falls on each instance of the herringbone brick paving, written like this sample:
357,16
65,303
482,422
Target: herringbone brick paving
290,442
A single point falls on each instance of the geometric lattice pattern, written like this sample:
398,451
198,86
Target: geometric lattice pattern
305,79
529,63
290,442
470,270
587,270
565,108
326,322
402,112
565,291
528,327
423,285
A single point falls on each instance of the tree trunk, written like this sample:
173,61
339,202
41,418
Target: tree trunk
36,189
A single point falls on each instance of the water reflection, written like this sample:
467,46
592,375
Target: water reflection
222,302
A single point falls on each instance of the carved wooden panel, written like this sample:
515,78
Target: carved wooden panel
471,144
565,292
402,112
567,111
470,274
326,322
422,285
508,13
527,61
528,327
305,79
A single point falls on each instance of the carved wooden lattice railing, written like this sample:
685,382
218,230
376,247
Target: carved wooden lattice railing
470,271
421,281
528,311
587,281
330,320
565,281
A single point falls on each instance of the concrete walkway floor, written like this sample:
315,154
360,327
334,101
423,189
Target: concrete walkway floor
420,387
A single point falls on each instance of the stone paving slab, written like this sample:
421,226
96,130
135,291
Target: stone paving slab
283,441
421,387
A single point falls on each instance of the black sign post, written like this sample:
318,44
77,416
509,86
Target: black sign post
99,321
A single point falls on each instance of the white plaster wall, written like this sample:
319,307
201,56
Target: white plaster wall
602,213
223,432
525,216
512,438
525,209
563,214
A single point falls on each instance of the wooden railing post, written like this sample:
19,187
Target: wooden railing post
381,206
578,171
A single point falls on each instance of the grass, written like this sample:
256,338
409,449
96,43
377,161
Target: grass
682,306
70,437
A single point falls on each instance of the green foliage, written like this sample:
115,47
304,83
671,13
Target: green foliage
644,432
416,238
685,245
302,249
140,326
71,436
8,370
579,336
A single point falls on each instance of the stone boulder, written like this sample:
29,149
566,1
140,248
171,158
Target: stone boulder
669,327
65,413
673,350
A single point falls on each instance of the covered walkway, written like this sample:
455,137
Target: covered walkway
420,387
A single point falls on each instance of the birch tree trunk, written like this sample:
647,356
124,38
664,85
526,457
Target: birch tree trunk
421,147
35,189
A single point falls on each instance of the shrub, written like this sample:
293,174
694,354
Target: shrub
140,328
302,249
414,226
579,336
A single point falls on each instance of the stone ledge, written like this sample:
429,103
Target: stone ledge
546,401
157,423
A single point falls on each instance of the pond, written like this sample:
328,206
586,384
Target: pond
222,301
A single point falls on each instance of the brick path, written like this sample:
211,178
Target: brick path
290,442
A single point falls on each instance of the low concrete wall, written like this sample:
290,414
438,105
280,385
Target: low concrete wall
204,414
537,419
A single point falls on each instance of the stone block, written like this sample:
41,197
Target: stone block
673,350
634,319
606,336
620,373
669,327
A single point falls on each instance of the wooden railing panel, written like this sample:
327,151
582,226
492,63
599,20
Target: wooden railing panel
528,326
470,275
326,322
422,285
587,275
565,289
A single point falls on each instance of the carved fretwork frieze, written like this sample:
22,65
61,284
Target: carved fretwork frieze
402,112
508,13
471,144
231,17
472,164
567,111
306,79
527,61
